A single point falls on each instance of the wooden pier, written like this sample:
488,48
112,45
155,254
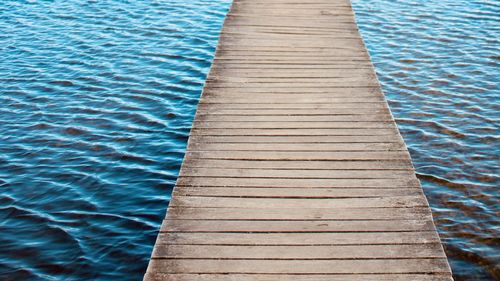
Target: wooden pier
295,169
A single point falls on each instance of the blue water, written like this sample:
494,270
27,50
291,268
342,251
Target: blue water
97,102
439,65
98,97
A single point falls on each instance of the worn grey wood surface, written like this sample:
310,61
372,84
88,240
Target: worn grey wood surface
295,169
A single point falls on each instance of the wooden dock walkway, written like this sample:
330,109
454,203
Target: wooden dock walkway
295,168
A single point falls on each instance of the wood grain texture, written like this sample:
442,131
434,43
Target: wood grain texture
287,277
295,168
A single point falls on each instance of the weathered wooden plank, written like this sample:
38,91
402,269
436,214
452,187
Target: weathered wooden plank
336,111
313,106
294,132
287,35
301,155
291,173
373,118
271,203
284,10
294,192
294,226
269,16
246,32
299,82
292,95
391,214
280,100
304,174
341,91
290,84
294,277
297,65
303,165
299,252
297,147
374,266
297,238
318,50
345,44
289,22
293,125
253,97
283,182
296,139
297,53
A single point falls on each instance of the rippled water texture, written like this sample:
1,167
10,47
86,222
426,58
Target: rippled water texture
439,65
98,97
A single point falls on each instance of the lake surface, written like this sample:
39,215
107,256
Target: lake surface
98,98
439,65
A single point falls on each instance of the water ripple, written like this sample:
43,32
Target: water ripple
438,65
97,101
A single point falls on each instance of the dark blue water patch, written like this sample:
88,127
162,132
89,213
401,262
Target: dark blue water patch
97,102
439,68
